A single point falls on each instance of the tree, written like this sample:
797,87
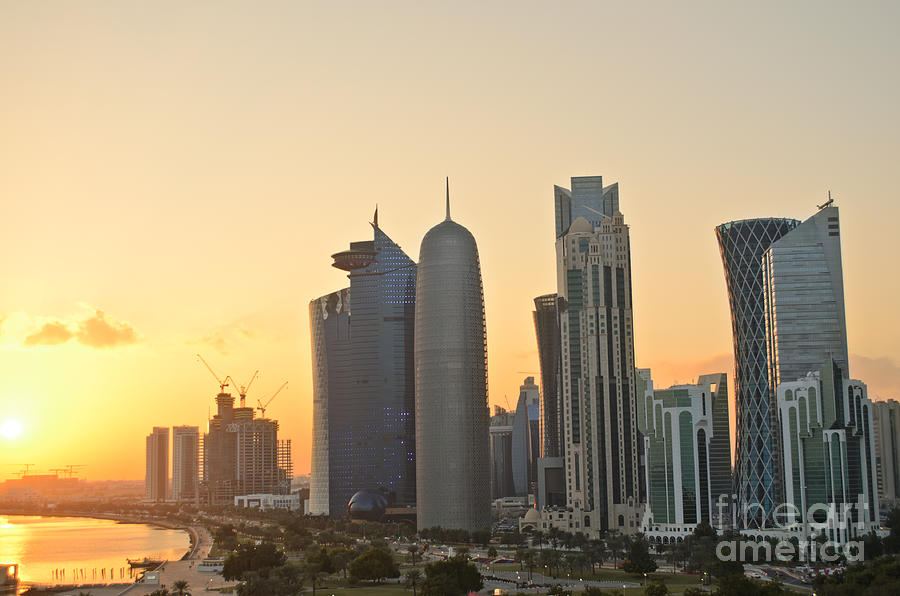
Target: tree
491,552
413,550
312,571
340,559
252,557
451,577
558,590
639,559
180,588
286,580
656,589
225,537
413,579
374,564
615,543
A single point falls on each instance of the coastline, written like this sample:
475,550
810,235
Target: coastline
191,531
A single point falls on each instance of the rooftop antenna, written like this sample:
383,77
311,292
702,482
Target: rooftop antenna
448,199
827,203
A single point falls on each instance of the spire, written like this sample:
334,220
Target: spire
448,199
375,220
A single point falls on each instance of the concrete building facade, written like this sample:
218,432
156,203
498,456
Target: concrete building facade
828,442
604,486
886,423
686,445
156,476
186,463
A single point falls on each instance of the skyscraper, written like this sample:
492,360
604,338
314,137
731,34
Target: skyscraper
501,432
525,438
886,429
804,293
600,438
546,329
452,470
363,381
156,477
742,245
185,463
686,447
829,452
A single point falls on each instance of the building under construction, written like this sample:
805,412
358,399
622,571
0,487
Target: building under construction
242,454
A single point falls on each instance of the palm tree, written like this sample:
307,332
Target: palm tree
180,588
413,550
413,579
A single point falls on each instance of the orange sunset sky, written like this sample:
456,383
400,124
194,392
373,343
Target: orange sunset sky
174,177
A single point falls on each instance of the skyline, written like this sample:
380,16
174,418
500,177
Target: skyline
188,174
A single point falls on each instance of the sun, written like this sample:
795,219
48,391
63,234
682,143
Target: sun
10,429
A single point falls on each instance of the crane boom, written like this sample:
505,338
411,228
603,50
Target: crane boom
222,383
244,389
262,408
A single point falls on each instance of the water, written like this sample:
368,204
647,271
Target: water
44,546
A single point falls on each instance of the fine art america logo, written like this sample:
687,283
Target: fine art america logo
826,533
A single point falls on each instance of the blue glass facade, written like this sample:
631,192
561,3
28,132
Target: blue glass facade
364,386
756,470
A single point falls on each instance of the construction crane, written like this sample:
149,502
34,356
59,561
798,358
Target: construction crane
223,383
70,469
262,408
244,389
26,468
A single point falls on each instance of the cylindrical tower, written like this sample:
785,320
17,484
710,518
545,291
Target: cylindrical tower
757,476
452,418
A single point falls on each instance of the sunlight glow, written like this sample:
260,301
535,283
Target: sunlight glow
10,429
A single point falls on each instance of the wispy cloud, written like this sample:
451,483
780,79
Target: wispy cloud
50,334
880,374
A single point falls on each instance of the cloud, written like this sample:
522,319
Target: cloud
216,341
51,334
880,374
667,373
100,331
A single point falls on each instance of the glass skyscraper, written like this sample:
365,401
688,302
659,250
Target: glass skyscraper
743,244
452,417
546,329
363,380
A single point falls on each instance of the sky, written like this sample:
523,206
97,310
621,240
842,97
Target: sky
174,177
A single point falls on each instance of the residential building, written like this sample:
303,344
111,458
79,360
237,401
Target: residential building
604,486
886,426
156,477
186,463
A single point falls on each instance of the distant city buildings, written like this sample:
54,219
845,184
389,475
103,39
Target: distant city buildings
185,463
156,478
501,432
686,444
452,427
604,485
886,430
546,329
526,438
363,379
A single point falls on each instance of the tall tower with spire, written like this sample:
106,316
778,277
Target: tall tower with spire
452,418
363,387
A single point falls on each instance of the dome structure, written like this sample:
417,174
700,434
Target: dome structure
367,505
532,516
